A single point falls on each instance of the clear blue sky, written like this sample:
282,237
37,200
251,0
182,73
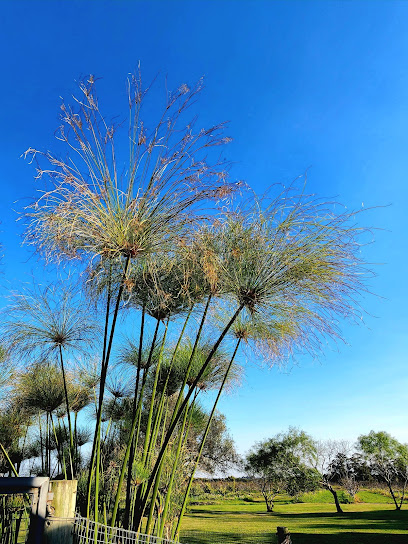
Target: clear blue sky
304,84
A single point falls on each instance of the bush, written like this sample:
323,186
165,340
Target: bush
344,497
324,496
208,488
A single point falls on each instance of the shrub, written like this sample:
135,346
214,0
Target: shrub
248,498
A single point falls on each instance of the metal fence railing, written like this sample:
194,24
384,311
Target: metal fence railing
86,531
14,518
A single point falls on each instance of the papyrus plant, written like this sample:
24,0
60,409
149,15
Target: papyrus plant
50,321
289,265
98,210
290,259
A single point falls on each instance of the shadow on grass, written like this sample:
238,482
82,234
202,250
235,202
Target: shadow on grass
363,514
211,513
337,528
384,520
192,537
347,538
199,537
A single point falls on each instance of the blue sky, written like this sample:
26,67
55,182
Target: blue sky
310,85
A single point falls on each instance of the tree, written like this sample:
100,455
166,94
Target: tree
388,460
14,422
219,453
281,464
326,454
349,471
6,374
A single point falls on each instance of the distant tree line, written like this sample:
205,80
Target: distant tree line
294,463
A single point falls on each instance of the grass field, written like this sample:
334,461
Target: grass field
236,521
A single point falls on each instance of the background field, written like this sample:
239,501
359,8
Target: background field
233,521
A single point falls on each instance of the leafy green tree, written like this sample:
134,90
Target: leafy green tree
281,464
219,452
349,471
388,460
301,480
326,454
14,422
6,375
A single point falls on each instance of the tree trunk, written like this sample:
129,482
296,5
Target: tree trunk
336,499
269,504
403,494
397,506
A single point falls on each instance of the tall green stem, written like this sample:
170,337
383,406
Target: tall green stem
60,453
174,469
41,442
4,452
173,472
47,469
134,415
136,437
71,438
163,394
200,451
104,370
76,440
22,449
190,362
163,432
142,505
130,440
149,419
153,431
173,357
156,428
97,477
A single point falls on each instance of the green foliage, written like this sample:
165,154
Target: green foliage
354,467
280,464
381,446
374,496
325,497
41,388
302,479
13,425
388,460
43,319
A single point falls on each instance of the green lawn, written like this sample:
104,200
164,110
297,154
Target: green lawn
234,521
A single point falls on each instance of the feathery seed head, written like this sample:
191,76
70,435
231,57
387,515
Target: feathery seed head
94,212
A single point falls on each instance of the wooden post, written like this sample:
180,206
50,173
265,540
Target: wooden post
283,535
60,512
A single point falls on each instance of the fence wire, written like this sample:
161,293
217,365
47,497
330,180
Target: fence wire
88,532
14,518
